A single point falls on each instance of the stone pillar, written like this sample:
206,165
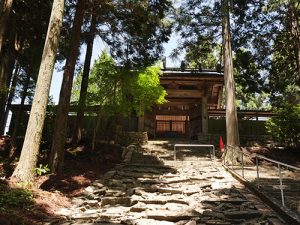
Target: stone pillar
141,123
204,115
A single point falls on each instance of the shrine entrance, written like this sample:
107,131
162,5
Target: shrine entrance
171,126
190,93
181,118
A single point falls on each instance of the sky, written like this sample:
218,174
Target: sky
99,45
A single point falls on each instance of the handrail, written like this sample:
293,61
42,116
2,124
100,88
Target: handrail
258,156
212,155
266,158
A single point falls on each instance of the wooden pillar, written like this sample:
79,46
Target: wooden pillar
187,127
204,115
141,123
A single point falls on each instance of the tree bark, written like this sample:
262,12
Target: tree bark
232,133
7,62
6,7
18,119
59,136
12,91
84,83
6,70
4,64
25,169
294,23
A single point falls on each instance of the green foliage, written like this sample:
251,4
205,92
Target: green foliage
204,54
120,91
42,169
249,89
14,198
285,127
284,81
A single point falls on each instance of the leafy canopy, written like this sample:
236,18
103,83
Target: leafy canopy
119,91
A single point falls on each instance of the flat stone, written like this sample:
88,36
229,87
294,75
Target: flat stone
100,191
92,203
90,189
139,207
64,211
231,201
169,190
115,193
88,214
153,222
217,222
98,184
148,181
116,201
243,214
191,223
175,216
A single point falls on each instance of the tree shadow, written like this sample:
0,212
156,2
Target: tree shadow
155,189
17,206
268,186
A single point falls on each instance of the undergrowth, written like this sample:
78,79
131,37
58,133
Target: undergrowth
12,198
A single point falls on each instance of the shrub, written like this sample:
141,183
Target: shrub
285,127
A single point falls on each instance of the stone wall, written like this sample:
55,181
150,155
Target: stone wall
125,138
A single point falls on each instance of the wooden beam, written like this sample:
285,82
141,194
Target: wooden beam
179,93
173,112
192,82
248,113
209,78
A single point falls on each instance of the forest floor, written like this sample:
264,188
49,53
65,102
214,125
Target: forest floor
48,192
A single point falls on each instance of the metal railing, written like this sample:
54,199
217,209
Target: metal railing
263,175
211,149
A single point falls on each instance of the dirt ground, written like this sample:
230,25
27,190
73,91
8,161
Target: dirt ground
54,191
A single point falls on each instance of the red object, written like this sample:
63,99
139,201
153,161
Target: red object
221,144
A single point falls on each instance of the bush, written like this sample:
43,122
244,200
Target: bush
285,127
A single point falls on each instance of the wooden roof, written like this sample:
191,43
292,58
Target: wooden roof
193,84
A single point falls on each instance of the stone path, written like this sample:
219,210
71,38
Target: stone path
160,192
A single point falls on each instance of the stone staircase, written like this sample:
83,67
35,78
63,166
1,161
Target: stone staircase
165,192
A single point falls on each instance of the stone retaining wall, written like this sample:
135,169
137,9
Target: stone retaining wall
125,138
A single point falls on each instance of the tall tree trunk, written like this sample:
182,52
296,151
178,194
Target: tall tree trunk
18,119
59,136
7,62
295,30
5,7
85,80
6,70
232,132
29,155
4,63
12,91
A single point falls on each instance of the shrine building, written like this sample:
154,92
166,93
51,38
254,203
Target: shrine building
190,94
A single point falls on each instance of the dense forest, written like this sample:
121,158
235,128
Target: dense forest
255,43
